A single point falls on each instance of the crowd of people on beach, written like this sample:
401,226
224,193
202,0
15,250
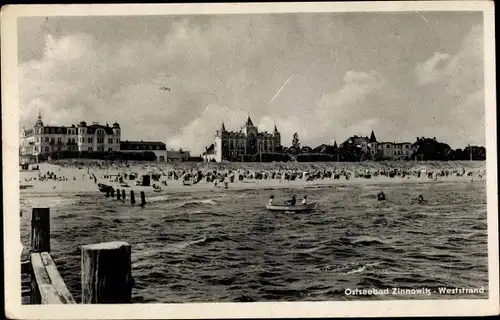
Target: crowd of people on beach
222,175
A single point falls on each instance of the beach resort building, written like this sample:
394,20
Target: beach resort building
178,155
157,147
209,154
368,145
44,139
395,150
234,145
386,150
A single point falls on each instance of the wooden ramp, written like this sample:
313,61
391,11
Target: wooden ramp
47,285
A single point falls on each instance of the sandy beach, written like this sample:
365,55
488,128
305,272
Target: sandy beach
85,176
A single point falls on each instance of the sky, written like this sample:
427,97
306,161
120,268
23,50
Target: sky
326,76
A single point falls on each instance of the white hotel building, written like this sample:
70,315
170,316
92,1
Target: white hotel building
43,139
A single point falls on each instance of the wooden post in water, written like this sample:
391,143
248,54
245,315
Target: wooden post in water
143,198
107,194
118,194
112,192
123,194
132,197
106,273
40,230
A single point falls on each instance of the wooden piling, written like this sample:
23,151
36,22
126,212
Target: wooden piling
132,197
40,230
106,273
112,192
107,194
123,194
143,198
118,194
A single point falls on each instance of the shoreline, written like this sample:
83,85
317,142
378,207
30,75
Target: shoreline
82,180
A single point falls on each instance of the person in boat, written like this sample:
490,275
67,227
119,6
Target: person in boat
304,200
271,201
421,199
292,201
381,196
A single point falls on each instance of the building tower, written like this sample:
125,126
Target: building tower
83,144
276,139
39,122
116,135
37,132
220,143
372,144
252,143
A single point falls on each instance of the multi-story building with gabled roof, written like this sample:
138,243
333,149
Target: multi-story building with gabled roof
233,145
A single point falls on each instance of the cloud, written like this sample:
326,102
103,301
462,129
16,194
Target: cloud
458,73
226,67
200,132
427,72
341,111
455,83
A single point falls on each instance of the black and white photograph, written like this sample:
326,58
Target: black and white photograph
255,160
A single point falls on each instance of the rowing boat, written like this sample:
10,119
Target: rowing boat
104,187
294,208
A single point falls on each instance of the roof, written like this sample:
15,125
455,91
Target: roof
210,150
55,129
142,145
93,128
356,140
249,122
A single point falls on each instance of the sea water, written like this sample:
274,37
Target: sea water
209,246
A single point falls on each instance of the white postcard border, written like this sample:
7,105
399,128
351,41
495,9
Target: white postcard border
10,117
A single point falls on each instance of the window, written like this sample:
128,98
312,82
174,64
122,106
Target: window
46,149
89,148
100,140
110,140
90,140
59,140
46,139
110,149
117,140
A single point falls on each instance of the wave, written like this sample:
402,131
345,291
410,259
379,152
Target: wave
50,202
367,240
185,244
197,203
159,198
